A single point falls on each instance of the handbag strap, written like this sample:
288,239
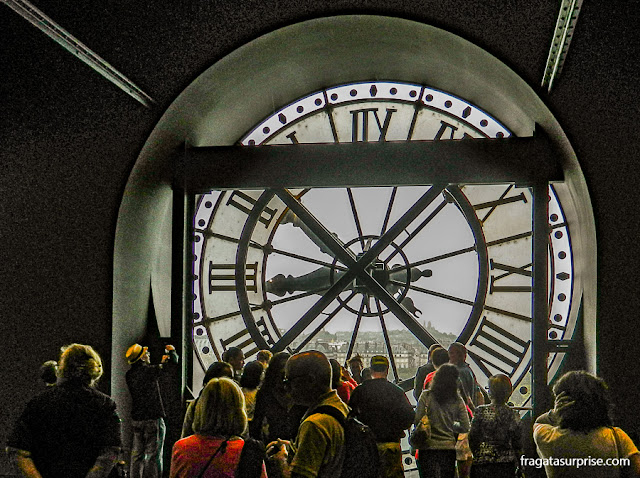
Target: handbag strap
615,439
221,448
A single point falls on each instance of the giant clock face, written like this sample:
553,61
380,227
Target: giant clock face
275,268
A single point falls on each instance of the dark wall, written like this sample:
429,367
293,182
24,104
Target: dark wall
70,139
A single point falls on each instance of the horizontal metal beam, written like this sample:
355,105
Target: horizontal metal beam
519,160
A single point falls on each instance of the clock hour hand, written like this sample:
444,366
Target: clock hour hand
291,218
320,279
323,278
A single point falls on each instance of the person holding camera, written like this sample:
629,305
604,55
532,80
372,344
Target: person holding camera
147,410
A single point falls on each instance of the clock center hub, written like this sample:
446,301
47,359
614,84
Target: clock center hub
378,270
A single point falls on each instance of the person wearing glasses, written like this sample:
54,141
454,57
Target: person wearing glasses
318,449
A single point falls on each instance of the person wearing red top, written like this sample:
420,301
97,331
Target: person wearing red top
338,383
438,357
216,446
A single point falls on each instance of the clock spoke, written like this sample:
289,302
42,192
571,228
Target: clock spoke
356,327
315,331
354,211
308,259
453,298
397,309
215,235
507,313
392,199
439,257
235,313
417,230
400,225
514,237
383,325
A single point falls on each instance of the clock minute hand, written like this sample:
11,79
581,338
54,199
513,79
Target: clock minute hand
291,218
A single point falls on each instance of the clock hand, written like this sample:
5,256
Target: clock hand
291,218
326,237
356,268
322,278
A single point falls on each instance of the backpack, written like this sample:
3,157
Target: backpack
361,451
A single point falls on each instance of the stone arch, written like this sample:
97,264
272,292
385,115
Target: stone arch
238,91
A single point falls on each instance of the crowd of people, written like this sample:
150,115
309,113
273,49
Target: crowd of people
285,415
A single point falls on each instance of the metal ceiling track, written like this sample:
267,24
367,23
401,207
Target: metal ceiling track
78,49
565,27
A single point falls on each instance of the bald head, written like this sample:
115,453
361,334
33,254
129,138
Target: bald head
309,375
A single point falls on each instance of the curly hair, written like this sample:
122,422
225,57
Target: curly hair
590,405
81,363
444,385
500,388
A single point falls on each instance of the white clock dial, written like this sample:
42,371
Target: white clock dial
268,264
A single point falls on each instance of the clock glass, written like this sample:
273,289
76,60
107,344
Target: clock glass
372,270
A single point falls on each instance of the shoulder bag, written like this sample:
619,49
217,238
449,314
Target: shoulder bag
421,433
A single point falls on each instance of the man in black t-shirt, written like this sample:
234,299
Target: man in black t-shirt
384,407
71,429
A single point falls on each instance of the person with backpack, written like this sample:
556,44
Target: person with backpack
384,407
319,447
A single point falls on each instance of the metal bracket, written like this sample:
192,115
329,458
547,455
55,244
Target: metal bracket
565,27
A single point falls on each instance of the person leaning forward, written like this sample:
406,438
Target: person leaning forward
318,449
147,410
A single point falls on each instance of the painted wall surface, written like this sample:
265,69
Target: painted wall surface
70,141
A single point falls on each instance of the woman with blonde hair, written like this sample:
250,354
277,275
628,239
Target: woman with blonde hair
71,430
215,450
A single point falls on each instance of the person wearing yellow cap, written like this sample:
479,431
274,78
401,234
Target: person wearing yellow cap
147,410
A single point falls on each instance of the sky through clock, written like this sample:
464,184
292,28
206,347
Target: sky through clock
273,270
